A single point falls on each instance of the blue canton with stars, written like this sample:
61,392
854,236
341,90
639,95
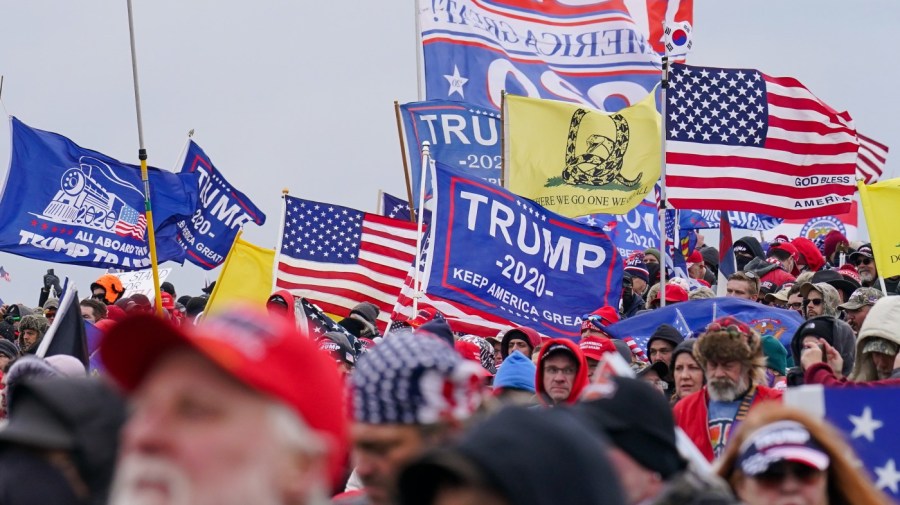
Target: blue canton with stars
716,106
321,232
869,419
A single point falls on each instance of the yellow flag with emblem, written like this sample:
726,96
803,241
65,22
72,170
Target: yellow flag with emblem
246,277
881,205
575,160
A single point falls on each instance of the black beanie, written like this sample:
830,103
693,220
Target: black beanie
668,333
638,420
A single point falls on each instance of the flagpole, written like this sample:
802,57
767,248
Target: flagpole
50,334
145,177
662,181
503,156
284,194
403,156
212,296
420,219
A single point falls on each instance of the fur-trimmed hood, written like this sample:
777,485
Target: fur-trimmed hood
882,322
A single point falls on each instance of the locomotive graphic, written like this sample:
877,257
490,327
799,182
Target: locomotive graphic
82,200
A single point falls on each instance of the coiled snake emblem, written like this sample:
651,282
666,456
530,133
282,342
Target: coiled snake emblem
597,169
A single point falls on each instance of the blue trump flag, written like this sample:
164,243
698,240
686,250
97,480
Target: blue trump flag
66,204
208,234
695,315
461,135
637,230
508,256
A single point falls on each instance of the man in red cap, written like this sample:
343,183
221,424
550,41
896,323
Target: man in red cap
593,349
240,409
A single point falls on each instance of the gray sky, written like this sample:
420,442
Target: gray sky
300,94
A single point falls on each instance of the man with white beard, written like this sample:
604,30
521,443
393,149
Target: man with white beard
864,261
732,358
241,409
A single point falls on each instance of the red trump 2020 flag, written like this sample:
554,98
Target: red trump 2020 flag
738,139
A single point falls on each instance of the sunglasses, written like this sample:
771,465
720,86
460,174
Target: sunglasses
863,261
777,472
814,301
795,305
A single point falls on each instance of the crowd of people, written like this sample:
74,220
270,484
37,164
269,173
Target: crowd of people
246,406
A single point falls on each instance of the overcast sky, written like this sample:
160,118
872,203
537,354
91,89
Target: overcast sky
300,94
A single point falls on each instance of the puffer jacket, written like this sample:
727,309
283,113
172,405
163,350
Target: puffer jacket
883,322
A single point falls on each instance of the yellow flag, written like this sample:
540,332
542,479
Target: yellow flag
575,160
881,205
246,277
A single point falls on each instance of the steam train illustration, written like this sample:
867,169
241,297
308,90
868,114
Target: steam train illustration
83,201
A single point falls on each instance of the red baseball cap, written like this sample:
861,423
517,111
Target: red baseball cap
266,353
695,258
674,293
600,318
595,347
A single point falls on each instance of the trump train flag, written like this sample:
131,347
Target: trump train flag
738,139
506,255
66,204
577,161
881,205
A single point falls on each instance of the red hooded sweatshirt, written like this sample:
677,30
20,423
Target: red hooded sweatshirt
578,382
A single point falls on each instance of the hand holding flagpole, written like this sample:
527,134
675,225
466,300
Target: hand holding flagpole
142,155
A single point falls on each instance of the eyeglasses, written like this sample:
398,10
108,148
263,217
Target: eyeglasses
814,301
567,371
795,305
777,472
863,261
98,297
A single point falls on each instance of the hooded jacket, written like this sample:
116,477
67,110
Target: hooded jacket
578,382
753,246
560,461
520,332
841,338
882,322
814,259
769,271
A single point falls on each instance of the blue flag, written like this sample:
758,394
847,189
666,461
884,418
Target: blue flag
695,315
208,234
65,204
510,257
637,230
461,135
398,208
700,219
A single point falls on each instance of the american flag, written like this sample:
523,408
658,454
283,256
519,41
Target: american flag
317,323
867,417
738,139
131,223
871,160
337,257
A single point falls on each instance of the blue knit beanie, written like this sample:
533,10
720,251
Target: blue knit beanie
516,372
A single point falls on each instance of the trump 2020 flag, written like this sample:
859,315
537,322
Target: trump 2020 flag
337,257
65,204
462,135
738,139
508,256
592,53
575,160
208,234
867,418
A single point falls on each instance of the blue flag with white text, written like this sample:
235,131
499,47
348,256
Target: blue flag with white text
222,210
701,219
508,256
461,135
695,315
66,204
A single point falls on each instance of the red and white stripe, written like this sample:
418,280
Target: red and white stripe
387,248
135,230
805,138
871,159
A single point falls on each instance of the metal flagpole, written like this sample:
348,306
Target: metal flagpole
284,194
662,182
145,178
420,216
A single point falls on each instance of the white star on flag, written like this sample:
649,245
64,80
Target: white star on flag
456,82
888,476
865,425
